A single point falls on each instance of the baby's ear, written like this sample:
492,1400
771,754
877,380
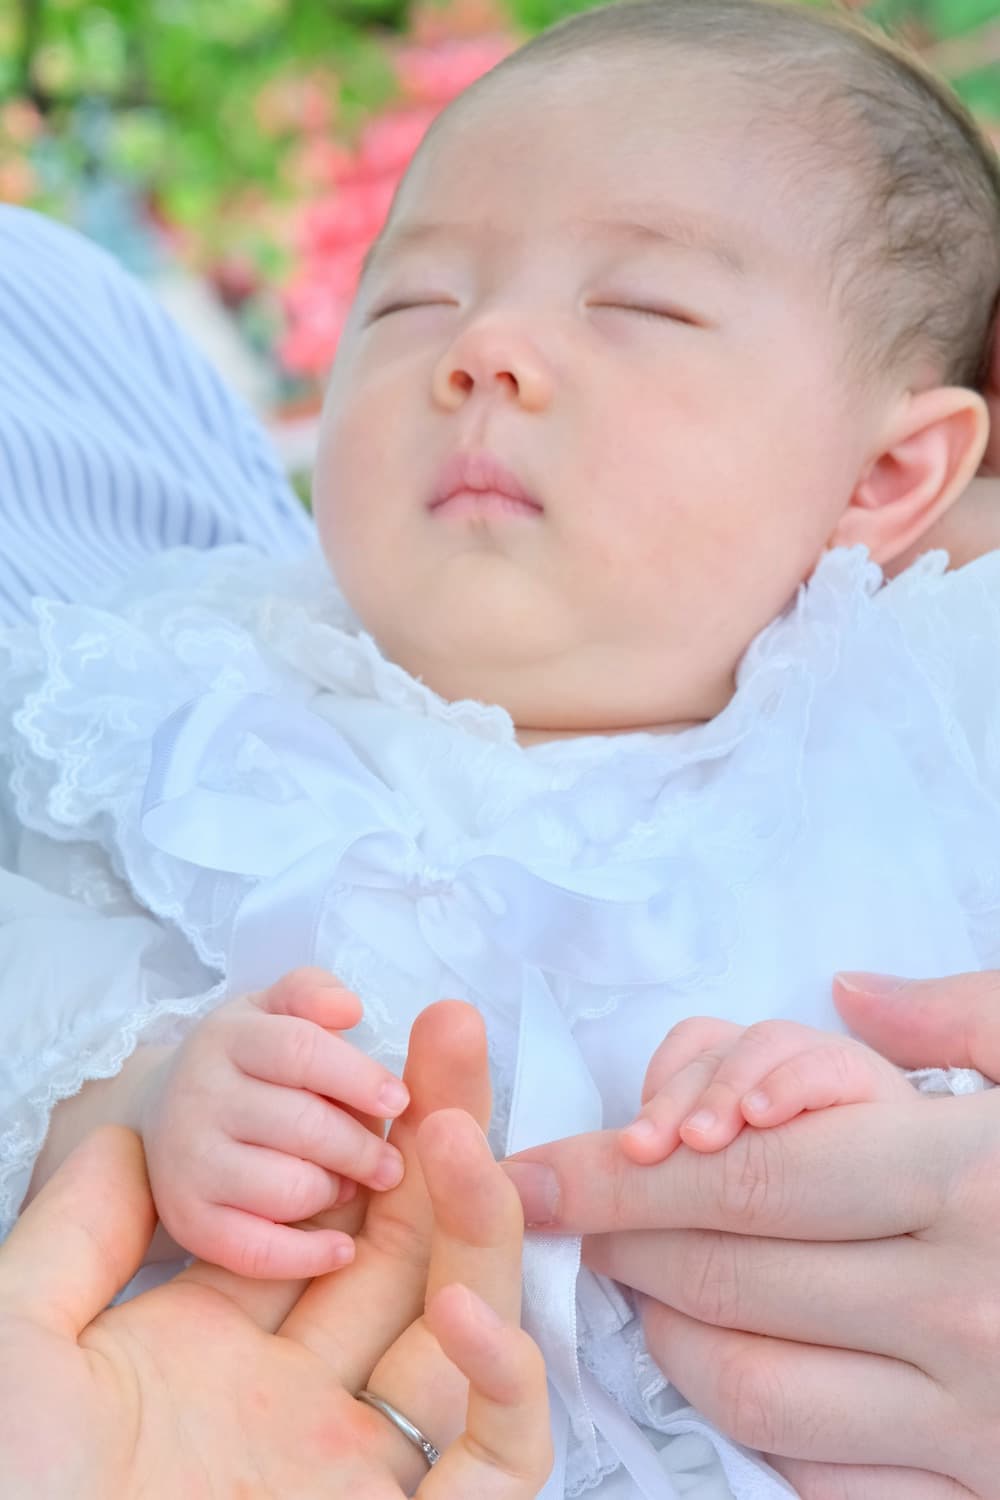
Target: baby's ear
931,448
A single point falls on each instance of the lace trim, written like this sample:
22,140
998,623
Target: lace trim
23,1140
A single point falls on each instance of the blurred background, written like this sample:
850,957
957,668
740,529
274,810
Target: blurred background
240,155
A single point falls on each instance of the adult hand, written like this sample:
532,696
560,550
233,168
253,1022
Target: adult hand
828,1291
212,1385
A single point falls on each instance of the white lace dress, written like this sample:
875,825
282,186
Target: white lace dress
218,777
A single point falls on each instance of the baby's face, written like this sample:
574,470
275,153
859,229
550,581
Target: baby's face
598,288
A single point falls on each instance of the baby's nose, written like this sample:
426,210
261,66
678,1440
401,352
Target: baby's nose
486,359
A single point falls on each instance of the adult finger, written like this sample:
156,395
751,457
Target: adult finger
826,1405
809,1179
82,1238
850,1482
478,1223
478,1230
351,1318
505,1452
926,1023
860,1297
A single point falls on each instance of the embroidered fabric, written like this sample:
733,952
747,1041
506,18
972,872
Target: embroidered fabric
840,812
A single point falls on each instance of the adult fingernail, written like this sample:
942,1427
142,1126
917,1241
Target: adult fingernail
538,1189
878,985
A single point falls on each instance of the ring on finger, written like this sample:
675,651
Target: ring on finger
403,1424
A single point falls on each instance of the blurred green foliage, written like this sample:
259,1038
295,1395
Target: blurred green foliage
181,76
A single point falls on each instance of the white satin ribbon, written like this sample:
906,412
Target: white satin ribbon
492,920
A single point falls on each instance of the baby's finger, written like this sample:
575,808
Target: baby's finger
287,1050
505,1452
682,1044
269,1183
312,995
718,1117
655,1131
302,1124
819,1079
254,1247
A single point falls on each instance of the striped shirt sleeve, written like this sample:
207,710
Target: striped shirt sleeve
117,437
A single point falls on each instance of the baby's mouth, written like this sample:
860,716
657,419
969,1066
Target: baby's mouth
476,482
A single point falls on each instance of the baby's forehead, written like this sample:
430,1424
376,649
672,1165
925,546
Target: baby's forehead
584,161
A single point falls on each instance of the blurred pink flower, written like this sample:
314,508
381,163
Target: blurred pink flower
438,73
388,142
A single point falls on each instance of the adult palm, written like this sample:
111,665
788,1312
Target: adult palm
214,1386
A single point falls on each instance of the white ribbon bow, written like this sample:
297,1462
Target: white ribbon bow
492,920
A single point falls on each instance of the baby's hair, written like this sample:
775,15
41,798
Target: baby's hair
911,226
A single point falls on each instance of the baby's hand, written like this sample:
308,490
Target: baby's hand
242,1137
709,1078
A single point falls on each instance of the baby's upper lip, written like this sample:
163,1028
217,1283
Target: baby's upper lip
479,470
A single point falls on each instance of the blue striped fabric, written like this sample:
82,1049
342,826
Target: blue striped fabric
117,438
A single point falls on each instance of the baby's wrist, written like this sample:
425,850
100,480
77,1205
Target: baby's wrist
150,1066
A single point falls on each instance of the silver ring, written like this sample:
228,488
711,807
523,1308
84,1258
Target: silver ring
405,1426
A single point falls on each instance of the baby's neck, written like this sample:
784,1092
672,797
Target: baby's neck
528,737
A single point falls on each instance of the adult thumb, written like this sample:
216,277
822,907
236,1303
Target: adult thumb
78,1243
926,1023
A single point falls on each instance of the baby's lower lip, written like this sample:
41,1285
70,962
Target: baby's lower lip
484,503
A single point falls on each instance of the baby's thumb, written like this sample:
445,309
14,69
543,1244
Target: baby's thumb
926,1023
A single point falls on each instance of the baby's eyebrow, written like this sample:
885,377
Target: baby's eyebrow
675,232
405,237
678,232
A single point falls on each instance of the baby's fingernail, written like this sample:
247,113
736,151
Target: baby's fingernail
878,985
538,1189
393,1097
641,1130
756,1104
701,1122
340,1255
389,1171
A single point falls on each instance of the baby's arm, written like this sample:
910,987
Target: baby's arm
709,1078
